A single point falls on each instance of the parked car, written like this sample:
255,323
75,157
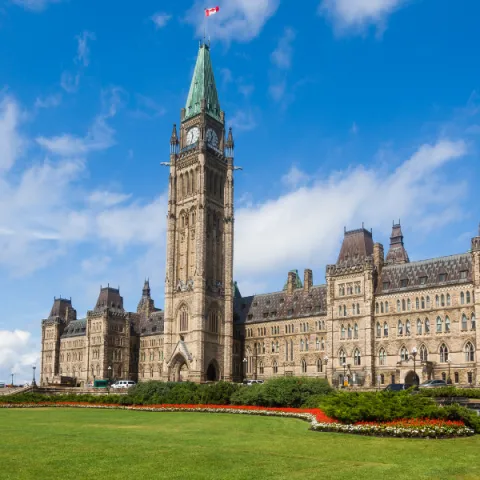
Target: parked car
252,382
123,384
396,387
2,385
433,384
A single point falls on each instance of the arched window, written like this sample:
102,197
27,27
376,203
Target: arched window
342,357
469,352
442,300
355,331
301,345
449,300
385,329
409,305
400,328
382,357
342,335
419,327
474,323
468,297
213,321
275,367
417,303
319,365
376,308
379,330
407,327
423,302
443,353
464,322
340,310
427,326
344,310
403,305
349,331
261,368
306,344
403,354
322,344
353,309
423,353
386,307
447,324
439,325
317,344
398,305
428,301
357,359
277,347
462,298
291,350
183,319
304,366
437,301
286,351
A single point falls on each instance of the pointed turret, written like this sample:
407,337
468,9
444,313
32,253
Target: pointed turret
146,288
396,253
230,144
203,92
146,305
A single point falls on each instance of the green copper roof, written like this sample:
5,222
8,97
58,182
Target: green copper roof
298,282
203,87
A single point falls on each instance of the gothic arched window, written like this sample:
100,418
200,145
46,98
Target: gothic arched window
447,324
342,335
319,365
403,354
427,326
400,328
468,297
349,331
407,327
439,325
464,322
448,300
355,331
469,352
443,353
304,366
357,359
385,329
474,323
423,353
342,357
462,298
382,357
419,327
183,323
379,329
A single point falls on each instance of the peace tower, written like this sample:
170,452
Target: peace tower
198,329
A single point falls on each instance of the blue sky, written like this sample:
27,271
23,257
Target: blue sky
344,111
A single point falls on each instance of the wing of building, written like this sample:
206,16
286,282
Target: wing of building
374,319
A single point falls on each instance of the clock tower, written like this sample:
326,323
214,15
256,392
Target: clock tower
198,333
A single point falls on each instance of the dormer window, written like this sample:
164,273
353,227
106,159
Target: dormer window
268,302
282,300
386,285
250,316
255,304
290,312
423,280
463,274
442,277
265,315
404,282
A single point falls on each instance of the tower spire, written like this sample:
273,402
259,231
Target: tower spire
397,252
203,89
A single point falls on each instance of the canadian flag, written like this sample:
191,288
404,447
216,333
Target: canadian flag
211,11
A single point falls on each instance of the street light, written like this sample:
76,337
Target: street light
33,381
449,379
414,355
326,362
12,378
245,368
344,372
109,373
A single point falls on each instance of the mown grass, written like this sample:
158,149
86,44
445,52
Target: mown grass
52,443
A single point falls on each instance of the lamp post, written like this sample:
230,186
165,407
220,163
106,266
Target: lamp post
449,379
344,372
244,361
325,360
109,373
414,355
12,378
33,381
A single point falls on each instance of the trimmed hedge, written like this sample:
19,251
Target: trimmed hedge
450,392
353,407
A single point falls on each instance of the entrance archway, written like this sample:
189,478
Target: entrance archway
179,369
411,378
212,373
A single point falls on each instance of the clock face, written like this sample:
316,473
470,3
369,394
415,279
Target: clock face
193,135
212,138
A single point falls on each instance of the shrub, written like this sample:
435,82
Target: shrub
281,392
450,392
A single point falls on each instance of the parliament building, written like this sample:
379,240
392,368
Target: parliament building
377,319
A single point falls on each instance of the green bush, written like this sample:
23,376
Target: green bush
450,392
281,392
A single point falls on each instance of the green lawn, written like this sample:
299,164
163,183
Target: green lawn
100,444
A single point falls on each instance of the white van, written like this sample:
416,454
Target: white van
123,384
2,385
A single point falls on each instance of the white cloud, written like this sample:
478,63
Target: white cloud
34,5
237,20
358,14
305,225
295,177
18,353
160,19
106,199
147,108
83,50
70,82
49,101
11,142
278,90
282,55
242,120
354,128
96,265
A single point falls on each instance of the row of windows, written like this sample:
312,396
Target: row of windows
349,332
423,327
72,357
405,305
349,289
318,363
151,356
343,311
151,342
442,277
290,328
150,371
342,357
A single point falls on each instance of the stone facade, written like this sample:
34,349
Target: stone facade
378,318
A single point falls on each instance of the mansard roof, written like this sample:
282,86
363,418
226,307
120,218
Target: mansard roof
153,325
426,274
397,253
356,246
76,328
203,87
59,307
271,307
109,298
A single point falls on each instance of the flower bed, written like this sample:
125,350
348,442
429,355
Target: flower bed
423,428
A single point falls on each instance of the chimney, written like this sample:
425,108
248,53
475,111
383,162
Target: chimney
378,256
292,281
307,279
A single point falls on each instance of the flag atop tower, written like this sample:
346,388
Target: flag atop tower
211,11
